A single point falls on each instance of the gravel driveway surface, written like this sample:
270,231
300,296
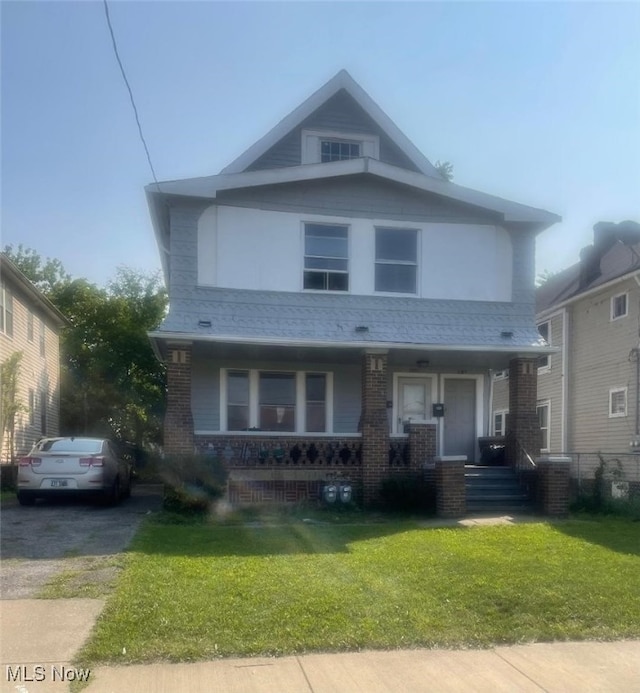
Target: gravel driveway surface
37,543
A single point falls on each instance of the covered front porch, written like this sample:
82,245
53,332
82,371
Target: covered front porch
284,418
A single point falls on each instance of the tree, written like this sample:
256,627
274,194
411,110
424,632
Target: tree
445,169
47,274
111,382
544,277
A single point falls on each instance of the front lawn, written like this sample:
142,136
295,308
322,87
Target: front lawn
199,591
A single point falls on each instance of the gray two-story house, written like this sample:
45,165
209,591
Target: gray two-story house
337,305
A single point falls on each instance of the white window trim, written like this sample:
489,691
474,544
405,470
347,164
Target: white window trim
7,297
547,367
397,429
613,391
254,404
326,222
626,306
501,375
546,403
503,413
311,140
399,227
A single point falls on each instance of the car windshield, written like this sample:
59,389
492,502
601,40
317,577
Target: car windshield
86,445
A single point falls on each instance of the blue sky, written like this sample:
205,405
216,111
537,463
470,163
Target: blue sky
535,102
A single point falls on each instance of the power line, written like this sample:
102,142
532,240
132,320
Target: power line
126,81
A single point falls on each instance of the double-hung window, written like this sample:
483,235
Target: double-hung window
617,402
544,329
326,257
543,419
277,402
500,422
292,402
6,311
619,306
42,337
396,268
237,400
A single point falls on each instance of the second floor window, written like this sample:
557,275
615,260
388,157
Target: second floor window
42,338
30,326
619,306
6,311
396,260
545,332
326,257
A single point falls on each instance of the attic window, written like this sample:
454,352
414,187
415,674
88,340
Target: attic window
338,150
324,146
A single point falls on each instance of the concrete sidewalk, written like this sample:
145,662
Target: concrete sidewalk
558,667
39,638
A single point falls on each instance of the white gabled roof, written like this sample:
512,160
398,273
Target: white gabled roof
343,80
208,186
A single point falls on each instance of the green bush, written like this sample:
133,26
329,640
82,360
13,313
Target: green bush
192,482
408,494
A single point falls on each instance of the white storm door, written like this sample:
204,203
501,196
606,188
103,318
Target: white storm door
414,401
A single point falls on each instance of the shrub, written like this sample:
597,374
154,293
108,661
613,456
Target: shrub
192,482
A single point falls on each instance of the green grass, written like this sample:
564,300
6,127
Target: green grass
198,591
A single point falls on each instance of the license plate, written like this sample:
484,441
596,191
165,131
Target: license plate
58,483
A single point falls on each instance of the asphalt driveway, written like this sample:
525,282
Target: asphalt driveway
37,543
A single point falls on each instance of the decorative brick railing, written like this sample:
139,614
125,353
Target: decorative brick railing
256,451
399,452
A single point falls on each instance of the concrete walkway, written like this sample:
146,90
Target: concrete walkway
39,638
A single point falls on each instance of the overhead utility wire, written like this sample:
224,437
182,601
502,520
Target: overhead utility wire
126,81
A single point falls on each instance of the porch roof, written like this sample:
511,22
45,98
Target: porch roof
285,320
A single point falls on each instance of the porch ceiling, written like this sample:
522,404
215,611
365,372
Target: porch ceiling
408,358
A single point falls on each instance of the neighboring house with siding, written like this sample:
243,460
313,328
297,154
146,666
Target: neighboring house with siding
30,325
588,388
335,303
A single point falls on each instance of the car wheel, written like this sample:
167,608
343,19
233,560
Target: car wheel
126,493
26,499
112,496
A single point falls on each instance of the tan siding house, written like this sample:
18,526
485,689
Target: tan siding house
30,325
588,396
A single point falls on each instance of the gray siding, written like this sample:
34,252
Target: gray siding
550,385
342,114
600,354
362,196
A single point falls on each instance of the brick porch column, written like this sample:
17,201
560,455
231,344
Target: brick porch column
178,420
553,485
374,424
451,493
523,417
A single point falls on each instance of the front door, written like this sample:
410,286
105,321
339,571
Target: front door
460,417
414,397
